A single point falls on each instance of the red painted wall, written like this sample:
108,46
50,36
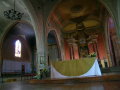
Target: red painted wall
100,44
101,47
91,49
76,53
67,50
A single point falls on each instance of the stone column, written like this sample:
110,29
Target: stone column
1,61
95,45
71,51
74,53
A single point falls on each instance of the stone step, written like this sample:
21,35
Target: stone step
10,80
111,70
102,78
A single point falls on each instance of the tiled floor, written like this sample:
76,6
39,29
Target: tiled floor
112,85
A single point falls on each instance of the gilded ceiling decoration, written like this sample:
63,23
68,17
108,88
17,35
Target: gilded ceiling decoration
80,18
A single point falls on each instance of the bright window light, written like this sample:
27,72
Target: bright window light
18,48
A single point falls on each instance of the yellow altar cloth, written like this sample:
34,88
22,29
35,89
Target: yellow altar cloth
74,67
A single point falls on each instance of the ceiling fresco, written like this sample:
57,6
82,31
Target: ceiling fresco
77,18
80,18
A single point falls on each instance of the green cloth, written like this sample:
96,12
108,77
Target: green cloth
74,67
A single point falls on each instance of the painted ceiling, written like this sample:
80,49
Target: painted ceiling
73,15
80,15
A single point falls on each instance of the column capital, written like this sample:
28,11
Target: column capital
71,41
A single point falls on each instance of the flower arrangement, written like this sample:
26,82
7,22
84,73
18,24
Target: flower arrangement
92,54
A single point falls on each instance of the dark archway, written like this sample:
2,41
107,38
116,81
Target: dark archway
53,47
11,64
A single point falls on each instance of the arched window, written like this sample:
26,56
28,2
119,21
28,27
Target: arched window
18,48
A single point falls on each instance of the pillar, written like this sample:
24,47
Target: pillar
73,46
76,51
71,51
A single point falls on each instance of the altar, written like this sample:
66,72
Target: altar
85,67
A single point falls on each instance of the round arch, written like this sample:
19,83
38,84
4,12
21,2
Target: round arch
108,8
102,2
21,38
53,46
112,42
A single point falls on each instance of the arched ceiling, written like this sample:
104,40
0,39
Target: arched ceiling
8,5
71,14
24,30
88,13
80,18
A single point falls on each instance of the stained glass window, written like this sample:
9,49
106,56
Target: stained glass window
18,48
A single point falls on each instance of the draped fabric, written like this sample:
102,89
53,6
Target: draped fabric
75,68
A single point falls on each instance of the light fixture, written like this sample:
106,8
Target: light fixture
13,14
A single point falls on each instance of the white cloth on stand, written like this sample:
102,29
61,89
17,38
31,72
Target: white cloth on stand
93,71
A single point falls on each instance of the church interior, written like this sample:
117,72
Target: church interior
73,42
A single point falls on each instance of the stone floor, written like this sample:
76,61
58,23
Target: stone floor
105,82
110,85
